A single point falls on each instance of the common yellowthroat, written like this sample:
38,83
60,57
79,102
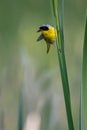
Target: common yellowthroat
48,33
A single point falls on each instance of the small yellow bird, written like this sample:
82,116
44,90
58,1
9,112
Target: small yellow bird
48,33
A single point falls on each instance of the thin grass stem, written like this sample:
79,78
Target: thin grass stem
62,61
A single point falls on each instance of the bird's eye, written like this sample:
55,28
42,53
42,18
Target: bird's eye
44,28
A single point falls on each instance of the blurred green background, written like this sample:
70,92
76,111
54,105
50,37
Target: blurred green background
25,65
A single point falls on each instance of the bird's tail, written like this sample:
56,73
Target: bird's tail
48,47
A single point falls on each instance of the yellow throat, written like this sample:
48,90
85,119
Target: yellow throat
50,35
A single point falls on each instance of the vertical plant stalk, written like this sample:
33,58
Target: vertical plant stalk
20,114
2,124
80,110
84,74
62,62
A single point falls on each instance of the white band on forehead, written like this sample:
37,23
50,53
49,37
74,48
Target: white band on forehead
47,25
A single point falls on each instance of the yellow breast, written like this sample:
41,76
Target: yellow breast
50,35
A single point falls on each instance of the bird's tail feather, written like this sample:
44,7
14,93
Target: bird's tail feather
48,47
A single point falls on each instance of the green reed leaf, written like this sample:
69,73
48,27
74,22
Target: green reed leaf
62,62
20,114
84,74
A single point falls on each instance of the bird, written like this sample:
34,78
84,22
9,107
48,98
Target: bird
48,33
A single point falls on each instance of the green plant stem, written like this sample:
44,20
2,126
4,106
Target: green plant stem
62,64
80,110
84,75
20,112
66,91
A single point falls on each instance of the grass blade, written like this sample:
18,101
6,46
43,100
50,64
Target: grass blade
84,74
45,115
2,121
20,114
62,62
80,110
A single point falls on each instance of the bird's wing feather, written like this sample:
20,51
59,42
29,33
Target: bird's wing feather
40,37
